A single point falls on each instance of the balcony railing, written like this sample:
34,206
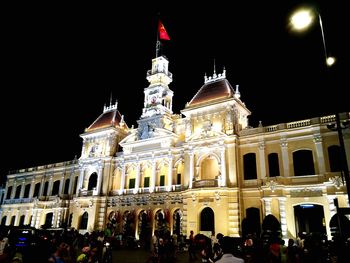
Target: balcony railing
18,201
205,183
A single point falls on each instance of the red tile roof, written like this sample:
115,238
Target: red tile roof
212,91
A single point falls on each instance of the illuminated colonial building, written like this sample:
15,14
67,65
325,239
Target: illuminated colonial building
205,169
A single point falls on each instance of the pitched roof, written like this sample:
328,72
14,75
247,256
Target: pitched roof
106,119
213,91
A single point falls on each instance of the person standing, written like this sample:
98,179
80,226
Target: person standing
192,246
227,246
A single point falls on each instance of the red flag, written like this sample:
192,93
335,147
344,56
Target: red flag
163,35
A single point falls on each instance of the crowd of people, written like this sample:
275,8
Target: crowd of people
22,245
69,246
306,248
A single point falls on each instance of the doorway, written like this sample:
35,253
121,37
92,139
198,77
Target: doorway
309,218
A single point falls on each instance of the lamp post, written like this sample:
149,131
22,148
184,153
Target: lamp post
300,20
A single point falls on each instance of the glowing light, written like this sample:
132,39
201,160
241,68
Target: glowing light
330,61
301,19
307,206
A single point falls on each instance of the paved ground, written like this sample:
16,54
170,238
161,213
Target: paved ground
142,256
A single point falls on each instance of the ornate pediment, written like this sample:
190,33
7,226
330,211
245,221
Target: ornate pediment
156,138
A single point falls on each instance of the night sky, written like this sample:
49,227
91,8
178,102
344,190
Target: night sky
60,64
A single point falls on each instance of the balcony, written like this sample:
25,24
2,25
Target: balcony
205,183
18,201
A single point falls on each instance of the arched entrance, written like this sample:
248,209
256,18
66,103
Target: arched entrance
3,220
271,229
344,230
48,220
161,221
207,220
309,218
129,224
251,224
84,220
177,222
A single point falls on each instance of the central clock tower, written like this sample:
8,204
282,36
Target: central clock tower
158,100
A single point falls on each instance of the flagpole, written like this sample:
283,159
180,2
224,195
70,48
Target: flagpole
158,42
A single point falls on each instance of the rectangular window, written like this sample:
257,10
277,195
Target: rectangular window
178,179
131,183
146,182
162,180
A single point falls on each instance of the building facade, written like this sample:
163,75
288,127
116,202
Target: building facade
204,170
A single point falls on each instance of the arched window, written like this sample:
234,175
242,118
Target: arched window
334,158
56,187
249,164
13,219
9,191
92,181
21,220
274,168
46,187
84,220
303,163
36,190
75,185
66,186
26,191
18,191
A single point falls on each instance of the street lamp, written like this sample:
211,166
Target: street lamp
300,20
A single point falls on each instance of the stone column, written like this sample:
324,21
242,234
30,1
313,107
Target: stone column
282,203
137,180
6,190
99,179
191,169
170,173
33,222
26,219
223,167
122,179
285,158
153,178
71,181
319,153
49,191
58,221
42,184
14,189
22,189
32,187
80,181
60,189
17,218
262,160
267,205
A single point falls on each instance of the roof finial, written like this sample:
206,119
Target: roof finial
237,93
110,100
205,77
214,75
